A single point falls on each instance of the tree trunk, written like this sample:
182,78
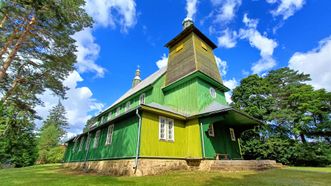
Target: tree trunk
17,46
303,139
3,21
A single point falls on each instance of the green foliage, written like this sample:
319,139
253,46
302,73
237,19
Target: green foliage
17,140
37,48
292,112
52,130
57,118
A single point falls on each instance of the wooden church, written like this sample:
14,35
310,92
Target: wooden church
177,118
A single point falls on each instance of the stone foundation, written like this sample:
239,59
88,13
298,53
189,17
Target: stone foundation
157,166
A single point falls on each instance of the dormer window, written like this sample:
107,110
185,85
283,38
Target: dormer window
142,99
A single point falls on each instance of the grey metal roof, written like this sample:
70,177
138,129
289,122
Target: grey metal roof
214,106
148,81
165,108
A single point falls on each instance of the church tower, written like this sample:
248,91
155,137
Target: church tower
191,51
136,80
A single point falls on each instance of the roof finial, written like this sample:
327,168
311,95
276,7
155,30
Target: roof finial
187,22
136,79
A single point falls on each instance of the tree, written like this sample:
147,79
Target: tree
18,144
291,110
48,140
57,118
36,48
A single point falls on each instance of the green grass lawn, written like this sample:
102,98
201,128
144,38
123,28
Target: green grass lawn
56,175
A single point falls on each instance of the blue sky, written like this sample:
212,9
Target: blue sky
253,36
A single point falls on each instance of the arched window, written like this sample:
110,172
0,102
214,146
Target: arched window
117,111
142,99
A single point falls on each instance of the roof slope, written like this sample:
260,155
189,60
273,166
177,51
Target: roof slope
148,81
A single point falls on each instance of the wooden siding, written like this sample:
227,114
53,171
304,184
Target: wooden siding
186,142
221,143
204,97
181,62
205,59
123,144
183,97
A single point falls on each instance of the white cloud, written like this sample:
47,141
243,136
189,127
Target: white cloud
87,53
113,12
226,9
286,8
191,8
162,62
227,39
231,84
222,65
79,103
317,63
265,45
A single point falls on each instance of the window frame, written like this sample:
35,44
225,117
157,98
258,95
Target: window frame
81,143
212,92
232,134
166,129
127,106
109,138
211,131
117,111
96,139
88,140
142,97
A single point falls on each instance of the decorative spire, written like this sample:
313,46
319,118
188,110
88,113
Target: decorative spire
136,79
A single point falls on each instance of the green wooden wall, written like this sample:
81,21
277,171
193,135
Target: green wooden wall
221,143
123,145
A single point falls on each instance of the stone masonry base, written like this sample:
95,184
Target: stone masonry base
157,166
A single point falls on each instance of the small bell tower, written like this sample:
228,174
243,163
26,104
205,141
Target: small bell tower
191,51
136,80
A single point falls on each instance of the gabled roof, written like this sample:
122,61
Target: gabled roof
143,84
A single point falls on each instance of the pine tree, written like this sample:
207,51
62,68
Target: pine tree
57,118
37,51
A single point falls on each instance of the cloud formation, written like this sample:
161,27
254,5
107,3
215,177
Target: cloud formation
163,62
79,103
265,45
228,39
286,8
225,9
231,84
191,8
315,62
222,65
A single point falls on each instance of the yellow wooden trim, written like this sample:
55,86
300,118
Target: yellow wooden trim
162,112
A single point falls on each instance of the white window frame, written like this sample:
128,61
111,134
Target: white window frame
110,133
127,106
211,131
117,112
109,116
212,92
162,128
75,144
166,129
142,98
88,140
96,139
232,134
81,143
